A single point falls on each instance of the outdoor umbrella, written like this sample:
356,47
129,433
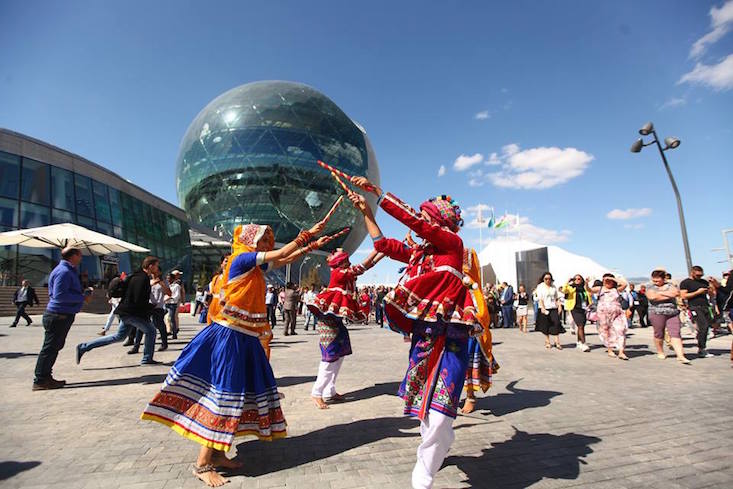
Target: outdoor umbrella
67,234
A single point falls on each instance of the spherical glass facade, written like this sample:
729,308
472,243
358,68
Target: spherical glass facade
250,156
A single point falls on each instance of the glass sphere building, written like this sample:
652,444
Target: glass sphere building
251,156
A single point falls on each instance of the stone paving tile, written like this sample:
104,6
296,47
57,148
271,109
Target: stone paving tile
553,419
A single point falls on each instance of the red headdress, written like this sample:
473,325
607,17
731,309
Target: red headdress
337,258
444,211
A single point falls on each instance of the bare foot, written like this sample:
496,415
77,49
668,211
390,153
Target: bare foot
209,476
222,462
319,402
468,406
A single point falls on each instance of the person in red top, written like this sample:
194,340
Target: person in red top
334,304
365,304
435,306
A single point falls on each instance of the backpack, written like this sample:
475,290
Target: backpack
117,288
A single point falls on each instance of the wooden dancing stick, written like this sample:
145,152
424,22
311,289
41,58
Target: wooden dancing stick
333,208
346,176
328,239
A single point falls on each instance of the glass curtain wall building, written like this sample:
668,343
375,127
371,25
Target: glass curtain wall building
41,185
250,156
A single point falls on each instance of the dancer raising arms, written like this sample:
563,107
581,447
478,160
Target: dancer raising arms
222,385
436,308
481,362
334,304
215,290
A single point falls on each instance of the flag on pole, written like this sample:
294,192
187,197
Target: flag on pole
491,219
502,222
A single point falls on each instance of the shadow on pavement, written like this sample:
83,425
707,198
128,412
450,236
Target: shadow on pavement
525,459
264,458
16,354
288,381
718,351
9,469
388,388
143,379
517,400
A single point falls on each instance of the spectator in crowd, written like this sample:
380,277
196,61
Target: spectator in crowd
612,323
522,308
173,300
308,297
642,308
280,302
379,306
23,297
65,300
198,301
112,301
694,290
664,315
633,297
158,290
507,305
548,321
291,298
577,300
271,303
134,311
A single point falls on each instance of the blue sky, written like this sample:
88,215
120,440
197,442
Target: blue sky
557,90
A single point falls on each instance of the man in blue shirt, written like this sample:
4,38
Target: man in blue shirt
65,300
507,305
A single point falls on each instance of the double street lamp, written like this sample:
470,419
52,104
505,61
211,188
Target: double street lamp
669,143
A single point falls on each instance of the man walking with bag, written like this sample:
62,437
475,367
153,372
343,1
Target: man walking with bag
25,296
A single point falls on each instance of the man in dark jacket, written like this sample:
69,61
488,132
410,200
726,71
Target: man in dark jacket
25,296
134,312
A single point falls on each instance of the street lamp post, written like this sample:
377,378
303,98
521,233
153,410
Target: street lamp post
670,143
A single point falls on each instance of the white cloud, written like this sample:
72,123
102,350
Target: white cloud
538,168
476,182
441,170
510,149
483,115
634,226
475,208
464,162
493,159
718,77
504,90
528,231
629,213
672,103
721,20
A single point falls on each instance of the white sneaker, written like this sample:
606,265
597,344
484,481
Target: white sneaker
578,345
584,347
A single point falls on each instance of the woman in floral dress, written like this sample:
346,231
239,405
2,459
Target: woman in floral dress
612,324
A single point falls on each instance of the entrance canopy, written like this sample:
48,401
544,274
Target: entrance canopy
67,234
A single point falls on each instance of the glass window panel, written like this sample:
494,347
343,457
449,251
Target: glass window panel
35,265
101,202
87,222
32,215
58,216
62,189
9,175
9,213
83,188
117,231
36,182
115,205
104,228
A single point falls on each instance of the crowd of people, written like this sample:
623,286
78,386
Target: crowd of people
705,306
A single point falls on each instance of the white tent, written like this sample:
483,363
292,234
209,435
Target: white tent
67,234
500,254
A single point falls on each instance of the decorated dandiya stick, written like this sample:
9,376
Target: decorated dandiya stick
368,187
333,208
340,182
336,235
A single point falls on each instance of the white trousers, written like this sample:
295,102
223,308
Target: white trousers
437,437
325,385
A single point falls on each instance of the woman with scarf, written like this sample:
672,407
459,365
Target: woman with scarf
481,362
612,324
436,308
334,304
222,385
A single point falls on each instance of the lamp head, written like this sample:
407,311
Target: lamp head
636,147
646,129
671,143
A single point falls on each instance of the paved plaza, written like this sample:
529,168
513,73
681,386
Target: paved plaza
553,419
